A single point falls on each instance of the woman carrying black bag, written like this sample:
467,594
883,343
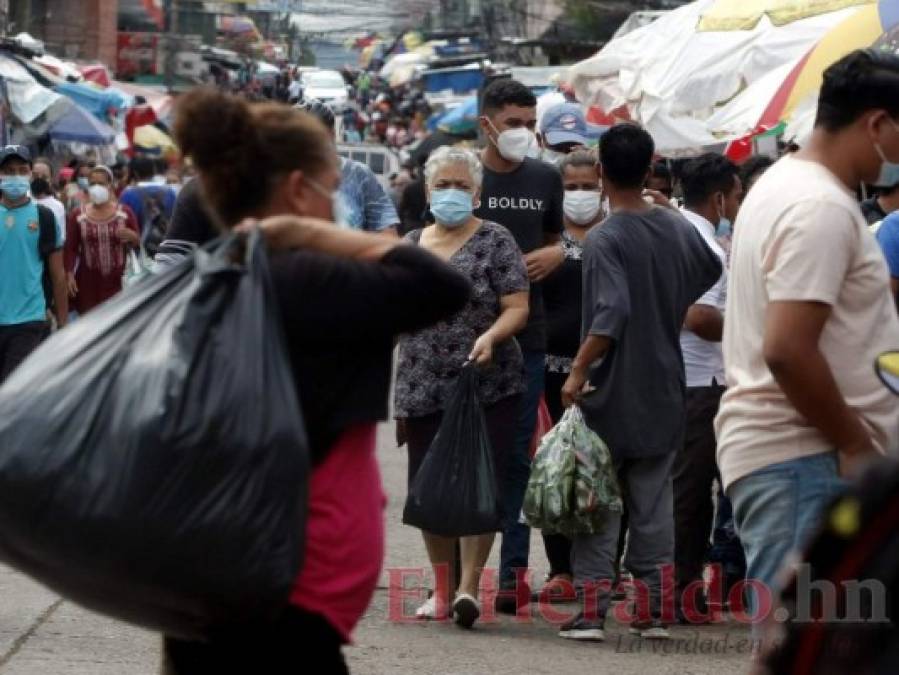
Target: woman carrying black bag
431,360
344,296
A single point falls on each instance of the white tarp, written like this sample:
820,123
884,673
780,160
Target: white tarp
802,122
741,114
28,100
402,62
673,79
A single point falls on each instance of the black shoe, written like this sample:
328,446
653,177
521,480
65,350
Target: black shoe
581,628
507,603
650,630
466,610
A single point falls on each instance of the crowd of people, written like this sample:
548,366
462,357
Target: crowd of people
715,323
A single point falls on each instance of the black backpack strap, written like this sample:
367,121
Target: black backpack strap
47,239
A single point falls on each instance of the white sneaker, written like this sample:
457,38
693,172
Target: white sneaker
466,610
428,611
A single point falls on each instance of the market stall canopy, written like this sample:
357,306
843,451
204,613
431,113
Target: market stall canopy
32,44
726,15
28,100
673,78
874,25
64,69
400,61
98,102
96,73
151,140
741,115
78,125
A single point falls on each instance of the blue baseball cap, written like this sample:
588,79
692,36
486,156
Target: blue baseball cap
18,151
566,123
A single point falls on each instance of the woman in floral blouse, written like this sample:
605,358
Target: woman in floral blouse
98,236
431,360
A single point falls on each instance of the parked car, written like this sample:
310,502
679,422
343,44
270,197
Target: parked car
328,86
383,161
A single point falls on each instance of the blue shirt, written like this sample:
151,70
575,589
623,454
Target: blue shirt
22,265
888,238
134,196
368,206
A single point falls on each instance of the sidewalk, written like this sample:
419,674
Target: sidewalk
43,635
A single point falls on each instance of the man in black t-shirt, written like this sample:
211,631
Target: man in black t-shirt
525,195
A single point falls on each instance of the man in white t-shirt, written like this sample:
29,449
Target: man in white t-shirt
712,192
42,191
808,310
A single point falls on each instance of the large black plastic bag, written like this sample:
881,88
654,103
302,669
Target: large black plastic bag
454,493
153,459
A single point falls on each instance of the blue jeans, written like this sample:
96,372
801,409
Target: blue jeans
777,509
726,548
516,536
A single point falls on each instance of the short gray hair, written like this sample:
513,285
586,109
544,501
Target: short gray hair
578,159
445,156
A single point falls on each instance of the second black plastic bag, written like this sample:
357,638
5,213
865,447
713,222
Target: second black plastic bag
153,462
454,493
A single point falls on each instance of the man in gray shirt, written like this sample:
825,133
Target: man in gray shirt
643,268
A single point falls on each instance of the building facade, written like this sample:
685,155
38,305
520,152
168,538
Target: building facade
84,30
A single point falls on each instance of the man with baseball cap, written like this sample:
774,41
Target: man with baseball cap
30,250
563,129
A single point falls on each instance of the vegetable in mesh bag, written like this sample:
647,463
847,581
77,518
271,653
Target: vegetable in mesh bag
454,493
573,484
154,459
549,498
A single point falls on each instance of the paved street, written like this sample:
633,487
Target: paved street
41,634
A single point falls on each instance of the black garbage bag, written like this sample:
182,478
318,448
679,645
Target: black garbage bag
153,459
454,493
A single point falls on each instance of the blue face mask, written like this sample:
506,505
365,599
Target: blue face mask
725,227
15,187
889,176
83,183
451,208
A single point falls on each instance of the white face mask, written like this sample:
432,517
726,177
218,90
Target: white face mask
340,213
581,206
516,144
99,194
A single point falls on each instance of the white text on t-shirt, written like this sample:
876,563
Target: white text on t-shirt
515,203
